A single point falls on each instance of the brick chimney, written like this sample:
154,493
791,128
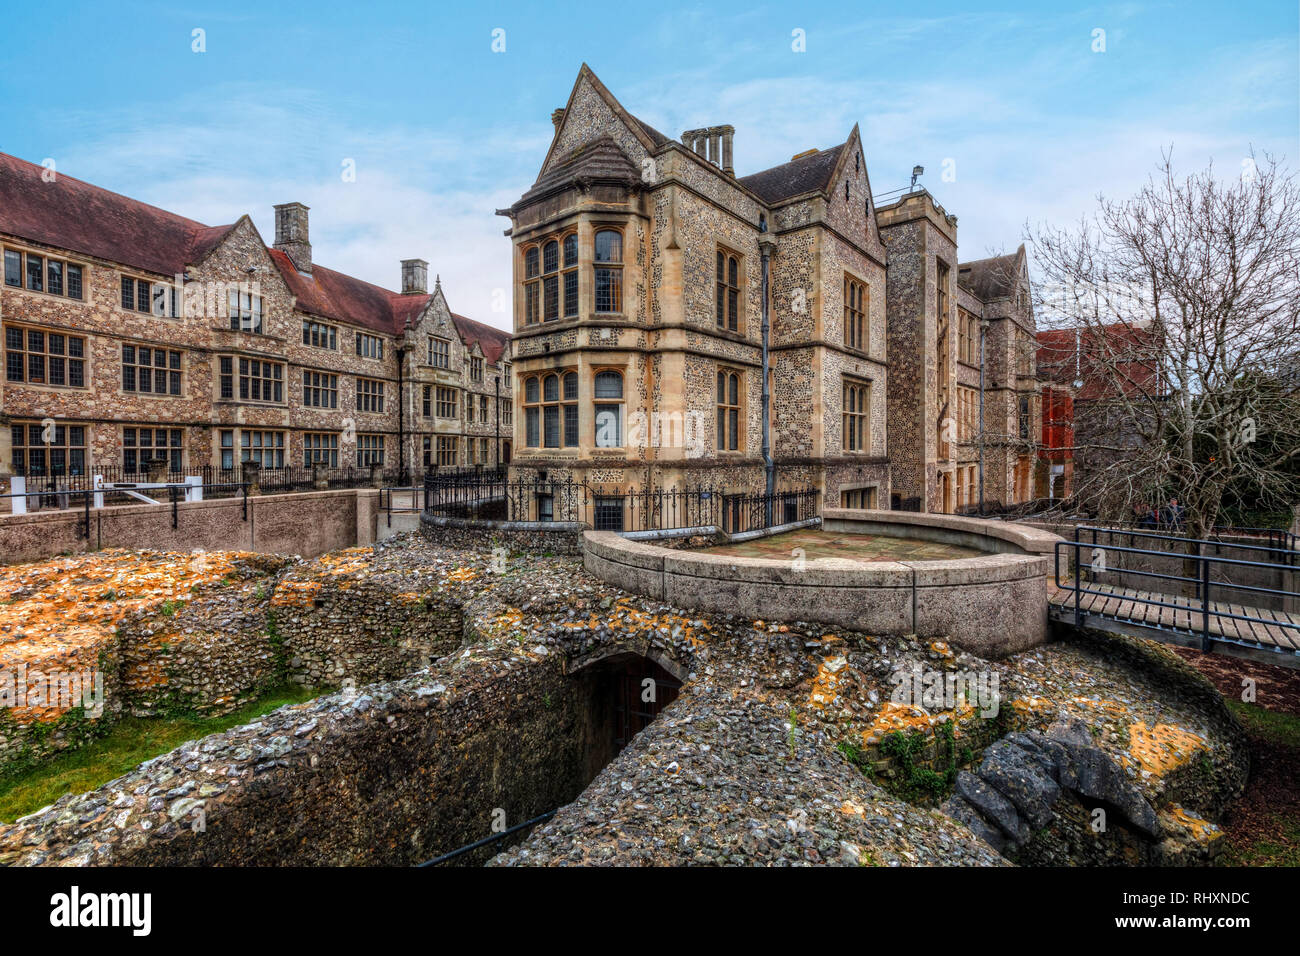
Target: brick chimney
291,234
557,117
415,277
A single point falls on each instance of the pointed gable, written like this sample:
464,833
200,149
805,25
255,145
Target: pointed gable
593,113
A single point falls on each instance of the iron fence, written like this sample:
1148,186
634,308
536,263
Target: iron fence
492,494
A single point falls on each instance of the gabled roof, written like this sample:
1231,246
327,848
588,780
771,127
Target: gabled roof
70,214
333,295
491,340
994,277
811,173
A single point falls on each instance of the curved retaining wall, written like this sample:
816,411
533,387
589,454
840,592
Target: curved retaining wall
991,605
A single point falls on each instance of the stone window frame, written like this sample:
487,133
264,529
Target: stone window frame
482,408
855,411
370,346
74,364
149,297
729,429
857,327
871,494
67,268
508,413
315,333
247,312
968,337
729,291
538,405
446,400
26,437
565,275
370,395
248,451
942,288
475,368
173,445
612,266
371,447
173,371
426,401
619,402
320,447
228,374
322,386
446,451
439,352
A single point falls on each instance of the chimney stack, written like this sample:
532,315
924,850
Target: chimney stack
415,277
557,117
291,234
714,145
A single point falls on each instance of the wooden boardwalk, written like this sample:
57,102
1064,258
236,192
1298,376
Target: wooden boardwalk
1253,632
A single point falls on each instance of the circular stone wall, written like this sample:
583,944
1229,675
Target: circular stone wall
990,605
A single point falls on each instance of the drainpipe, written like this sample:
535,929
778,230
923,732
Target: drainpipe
401,416
983,328
766,246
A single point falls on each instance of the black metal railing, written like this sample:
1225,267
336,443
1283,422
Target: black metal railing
491,494
87,499
1208,600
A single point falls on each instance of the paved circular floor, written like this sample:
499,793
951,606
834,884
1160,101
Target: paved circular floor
854,547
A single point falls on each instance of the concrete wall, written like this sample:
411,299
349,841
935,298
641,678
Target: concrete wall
991,605
307,524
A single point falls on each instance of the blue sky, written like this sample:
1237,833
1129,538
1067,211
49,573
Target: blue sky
1032,122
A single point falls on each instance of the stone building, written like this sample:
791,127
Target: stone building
646,273
132,334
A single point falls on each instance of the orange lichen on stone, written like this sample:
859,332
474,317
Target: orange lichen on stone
62,613
1198,828
462,575
941,648
830,672
347,561
296,594
906,717
850,808
1162,748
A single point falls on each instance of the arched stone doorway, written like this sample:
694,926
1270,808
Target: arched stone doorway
625,692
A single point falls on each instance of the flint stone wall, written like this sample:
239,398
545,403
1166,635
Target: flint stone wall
394,775
554,537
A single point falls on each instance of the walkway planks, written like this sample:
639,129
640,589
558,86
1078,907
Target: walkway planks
1179,619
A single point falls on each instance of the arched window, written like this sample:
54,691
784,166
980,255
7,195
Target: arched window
728,410
551,410
608,392
569,275
857,405
609,271
551,280
855,314
728,298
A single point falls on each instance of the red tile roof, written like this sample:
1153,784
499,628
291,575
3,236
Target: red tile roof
333,295
69,214
491,340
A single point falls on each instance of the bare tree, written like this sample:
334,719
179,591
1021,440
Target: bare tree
1182,306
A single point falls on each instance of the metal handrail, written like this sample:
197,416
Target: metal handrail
1203,582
